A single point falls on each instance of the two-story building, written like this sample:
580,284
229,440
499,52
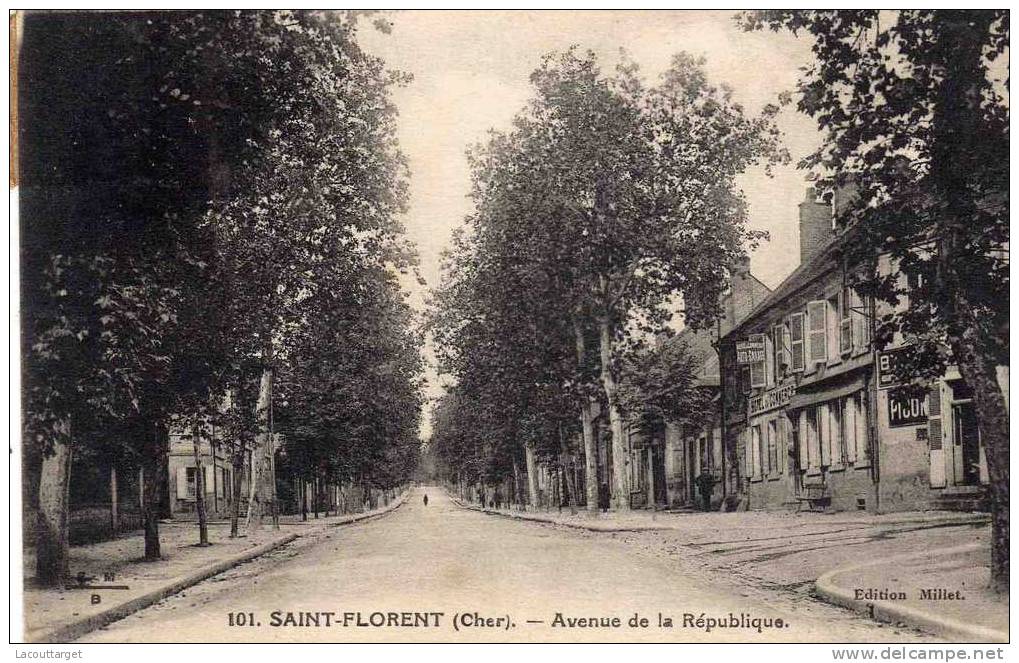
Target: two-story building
694,451
812,416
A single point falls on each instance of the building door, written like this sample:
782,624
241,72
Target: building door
966,444
661,495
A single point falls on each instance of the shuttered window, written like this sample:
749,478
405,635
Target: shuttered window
796,342
862,430
803,440
773,464
849,428
845,322
780,344
861,322
817,331
824,434
758,369
936,451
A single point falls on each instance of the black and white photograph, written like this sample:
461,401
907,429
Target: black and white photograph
510,326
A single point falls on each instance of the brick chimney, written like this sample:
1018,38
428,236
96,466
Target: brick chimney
741,297
815,225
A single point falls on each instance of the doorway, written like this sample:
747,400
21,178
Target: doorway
966,444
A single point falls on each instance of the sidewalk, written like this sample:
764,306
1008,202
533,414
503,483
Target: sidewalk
939,591
806,554
61,615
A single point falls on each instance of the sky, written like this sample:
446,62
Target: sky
471,72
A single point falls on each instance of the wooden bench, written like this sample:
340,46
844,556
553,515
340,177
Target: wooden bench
813,495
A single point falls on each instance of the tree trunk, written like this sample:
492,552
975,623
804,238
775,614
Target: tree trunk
203,521
260,494
956,134
52,546
532,475
114,502
587,428
979,370
315,492
155,482
304,500
620,454
570,485
518,489
237,464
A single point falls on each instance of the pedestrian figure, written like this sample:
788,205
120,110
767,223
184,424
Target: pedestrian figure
706,484
426,499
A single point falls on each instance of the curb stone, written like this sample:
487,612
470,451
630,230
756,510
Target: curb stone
890,612
594,526
79,627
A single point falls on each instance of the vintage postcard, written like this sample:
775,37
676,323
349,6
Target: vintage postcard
517,326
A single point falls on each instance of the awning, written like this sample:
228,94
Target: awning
827,391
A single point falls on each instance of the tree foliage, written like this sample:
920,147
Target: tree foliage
913,105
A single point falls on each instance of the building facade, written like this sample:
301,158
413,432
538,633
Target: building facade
813,418
693,456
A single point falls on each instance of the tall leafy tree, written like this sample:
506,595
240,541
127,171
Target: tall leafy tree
914,109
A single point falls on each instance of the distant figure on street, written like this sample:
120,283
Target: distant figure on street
426,499
706,484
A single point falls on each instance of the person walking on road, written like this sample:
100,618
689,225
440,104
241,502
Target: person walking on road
426,499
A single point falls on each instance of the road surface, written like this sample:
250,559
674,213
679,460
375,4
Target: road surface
491,578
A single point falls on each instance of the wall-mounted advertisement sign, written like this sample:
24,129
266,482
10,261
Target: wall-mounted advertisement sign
886,363
906,408
750,350
770,400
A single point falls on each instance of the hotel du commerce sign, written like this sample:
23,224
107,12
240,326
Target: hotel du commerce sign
772,399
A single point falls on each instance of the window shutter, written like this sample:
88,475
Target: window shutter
845,323
802,440
758,439
935,437
779,334
862,429
748,453
861,323
783,444
824,434
182,483
208,478
817,331
770,368
796,342
849,428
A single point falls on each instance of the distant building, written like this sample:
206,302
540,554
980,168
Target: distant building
217,466
690,451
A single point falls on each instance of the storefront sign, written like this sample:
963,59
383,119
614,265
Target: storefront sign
886,363
751,350
906,408
770,400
